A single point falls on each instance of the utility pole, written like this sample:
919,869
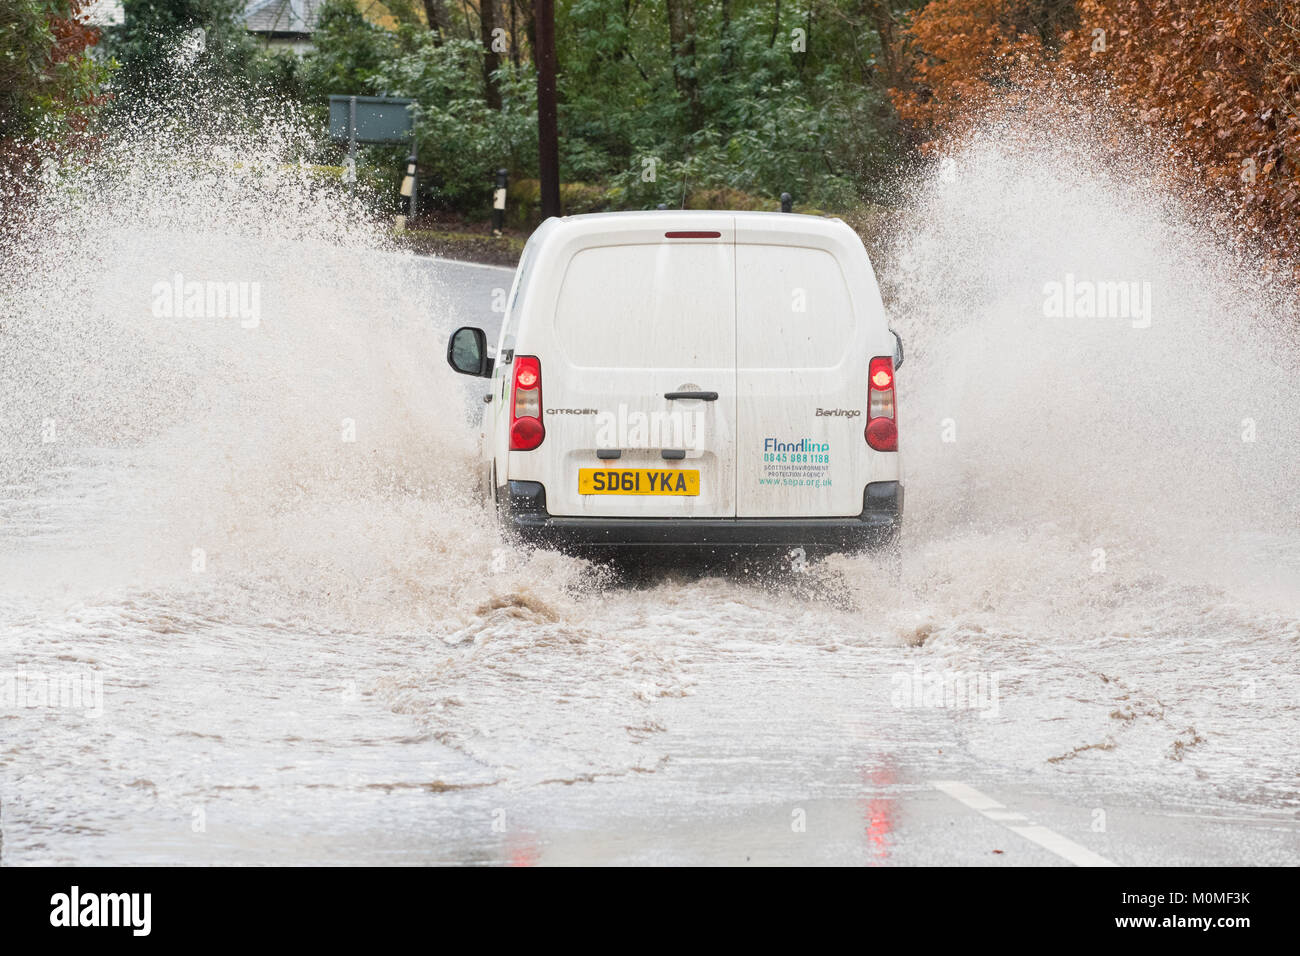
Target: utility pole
548,137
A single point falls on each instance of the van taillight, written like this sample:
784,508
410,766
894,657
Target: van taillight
882,432
526,429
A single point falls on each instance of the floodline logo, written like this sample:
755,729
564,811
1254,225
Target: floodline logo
30,689
103,909
1085,299
948,689
629,429
803,445
208,300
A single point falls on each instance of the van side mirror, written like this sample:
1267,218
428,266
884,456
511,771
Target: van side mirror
467,352
898,349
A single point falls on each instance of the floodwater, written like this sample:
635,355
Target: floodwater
251,544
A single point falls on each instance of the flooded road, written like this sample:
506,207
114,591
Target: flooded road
252,613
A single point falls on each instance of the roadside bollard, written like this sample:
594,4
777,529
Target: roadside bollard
408,192
787,202
499,203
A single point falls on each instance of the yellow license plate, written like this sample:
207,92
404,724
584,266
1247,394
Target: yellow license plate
638,481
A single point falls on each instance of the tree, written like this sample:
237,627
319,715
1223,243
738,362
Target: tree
49,85
349,51
1223,80
962,52
1218,79
491,58
435,15
681,38
155,47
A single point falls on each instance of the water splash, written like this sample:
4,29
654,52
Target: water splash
1167,434
216,367
366,563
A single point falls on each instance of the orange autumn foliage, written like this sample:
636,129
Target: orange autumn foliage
1219,79
961,54
73,37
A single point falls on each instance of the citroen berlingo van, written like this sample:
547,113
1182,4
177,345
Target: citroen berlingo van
721,381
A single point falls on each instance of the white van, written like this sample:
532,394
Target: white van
705,380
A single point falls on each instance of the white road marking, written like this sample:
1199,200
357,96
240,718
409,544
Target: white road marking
1049,840
1004,816
476,265
442,259
1275,821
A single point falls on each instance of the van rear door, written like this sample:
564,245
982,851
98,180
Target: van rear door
801,376
642,314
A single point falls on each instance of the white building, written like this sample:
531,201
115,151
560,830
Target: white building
103,13
287,24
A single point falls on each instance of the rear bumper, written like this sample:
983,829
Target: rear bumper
524,514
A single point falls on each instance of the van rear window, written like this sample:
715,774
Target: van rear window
662,305
793,308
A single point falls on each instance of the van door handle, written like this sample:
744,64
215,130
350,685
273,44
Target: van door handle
702,396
